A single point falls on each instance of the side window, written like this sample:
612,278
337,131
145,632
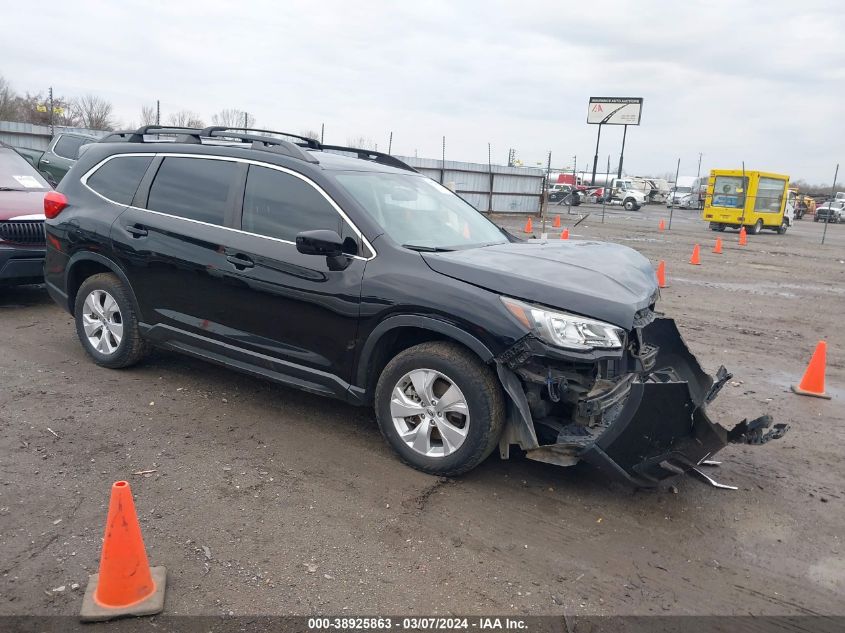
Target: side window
279,205
118,179
68,146
193,188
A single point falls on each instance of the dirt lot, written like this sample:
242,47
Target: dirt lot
264,500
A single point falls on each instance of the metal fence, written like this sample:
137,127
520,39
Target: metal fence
37,137
514,189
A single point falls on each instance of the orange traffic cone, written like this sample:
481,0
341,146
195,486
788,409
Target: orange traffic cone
662,225
743,237
556,223
126,585
529,228
696,255
718,248
661,274
812,384
565,234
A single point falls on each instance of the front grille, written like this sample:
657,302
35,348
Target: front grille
22,231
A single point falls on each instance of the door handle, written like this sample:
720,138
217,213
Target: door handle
136,230
240,261
46,162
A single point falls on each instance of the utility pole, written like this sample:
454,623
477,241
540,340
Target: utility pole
390,144
158,112
490,171
698,175
322,132
832,197
596,157
672,199
545,195
443,161
622,153
52,134
246,114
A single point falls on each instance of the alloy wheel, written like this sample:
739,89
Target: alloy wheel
102,322
430,412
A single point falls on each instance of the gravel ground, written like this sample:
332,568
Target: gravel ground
264,500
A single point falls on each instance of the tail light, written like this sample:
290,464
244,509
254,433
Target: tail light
54,203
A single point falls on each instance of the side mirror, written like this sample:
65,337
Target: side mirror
320,242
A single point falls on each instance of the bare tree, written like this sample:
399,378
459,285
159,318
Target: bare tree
310,134
185,118
233,118
35,109
93,112
148,115
8,101
361,142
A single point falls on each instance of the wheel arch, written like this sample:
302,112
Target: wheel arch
85,264
400,332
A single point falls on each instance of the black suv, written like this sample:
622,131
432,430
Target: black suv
346,273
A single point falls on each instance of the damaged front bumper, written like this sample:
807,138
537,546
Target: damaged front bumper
648,425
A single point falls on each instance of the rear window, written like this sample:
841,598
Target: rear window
118,179
68,146
193,188
17,174
728,191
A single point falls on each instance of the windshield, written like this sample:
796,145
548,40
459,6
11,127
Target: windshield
415,211
683,189
17,174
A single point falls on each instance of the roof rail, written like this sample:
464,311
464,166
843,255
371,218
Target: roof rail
269,143
373,156
259,140
311,143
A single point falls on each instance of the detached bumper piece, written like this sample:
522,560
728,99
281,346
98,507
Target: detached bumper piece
662,429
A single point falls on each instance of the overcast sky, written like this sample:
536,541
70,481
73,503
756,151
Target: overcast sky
755,81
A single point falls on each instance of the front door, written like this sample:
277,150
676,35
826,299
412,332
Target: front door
295,308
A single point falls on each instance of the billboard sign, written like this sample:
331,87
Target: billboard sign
615,110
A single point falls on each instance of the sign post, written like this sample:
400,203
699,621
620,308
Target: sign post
613,111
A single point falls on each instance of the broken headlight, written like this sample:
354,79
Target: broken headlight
565,330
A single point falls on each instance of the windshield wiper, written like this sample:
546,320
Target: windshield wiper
427,249
11,189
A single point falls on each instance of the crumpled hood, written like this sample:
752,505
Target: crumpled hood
596,279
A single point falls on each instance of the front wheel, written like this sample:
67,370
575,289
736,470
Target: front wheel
440,408
783,227
758,226
630,204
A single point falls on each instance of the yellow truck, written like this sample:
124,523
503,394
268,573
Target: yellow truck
756,200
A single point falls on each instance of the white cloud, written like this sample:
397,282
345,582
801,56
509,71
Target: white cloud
759,82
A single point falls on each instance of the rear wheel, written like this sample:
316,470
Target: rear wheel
758,226
106,322
784,225
440,408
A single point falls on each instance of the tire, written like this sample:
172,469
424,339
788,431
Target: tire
783,227
94,298
758,226
816,219
478,388
630,204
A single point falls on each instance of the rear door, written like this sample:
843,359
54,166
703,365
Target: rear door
289,306
172,245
